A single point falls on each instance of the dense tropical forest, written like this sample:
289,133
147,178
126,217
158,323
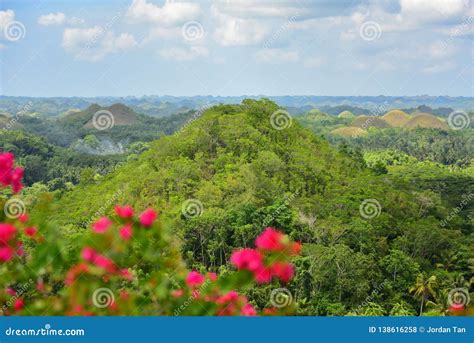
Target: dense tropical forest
372,209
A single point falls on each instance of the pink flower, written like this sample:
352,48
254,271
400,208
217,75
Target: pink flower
6,253
10,176
177,293
296,248
194,279
23,218
228,297
16,177
88,254
11,291
105,263
212,276
126,232
270,239
101,225
125,273
248,310
263,275
283,271
124,212
19,304
148,217
456,307
248,259
7,233
30,231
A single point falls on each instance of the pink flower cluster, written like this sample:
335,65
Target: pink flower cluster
228,304
10,244
9,174
269,259
92,258
147,218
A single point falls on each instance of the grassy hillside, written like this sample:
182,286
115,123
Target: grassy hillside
349,132
364,122
427,121
396,118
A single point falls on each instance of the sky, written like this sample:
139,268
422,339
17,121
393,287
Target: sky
242,47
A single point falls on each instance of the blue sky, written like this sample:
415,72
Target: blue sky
299,47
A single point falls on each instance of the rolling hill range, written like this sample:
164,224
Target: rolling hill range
230,173
116,127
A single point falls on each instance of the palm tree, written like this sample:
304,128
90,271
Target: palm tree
442,302
423,288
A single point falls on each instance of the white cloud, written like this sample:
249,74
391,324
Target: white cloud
276,56
6,17
235,32
433,10
170,14
232,31
58,18
93,44
258,8
301,9
184,54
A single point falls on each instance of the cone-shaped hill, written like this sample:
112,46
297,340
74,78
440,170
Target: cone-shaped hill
120,114
364,122
396,118
426,120
349,132
346,115
224,177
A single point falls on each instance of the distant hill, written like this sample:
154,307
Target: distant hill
117,126
346,114
120,114
349,132
159,106
364,122
426,120
396,118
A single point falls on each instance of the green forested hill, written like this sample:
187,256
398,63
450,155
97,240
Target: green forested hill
221,179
